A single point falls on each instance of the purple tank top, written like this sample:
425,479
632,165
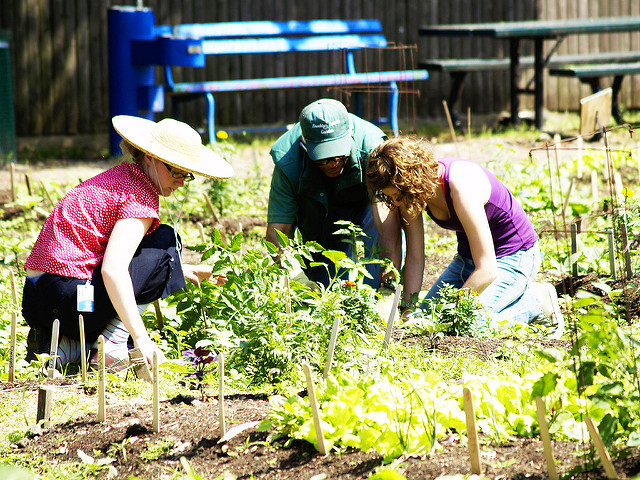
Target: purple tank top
510,228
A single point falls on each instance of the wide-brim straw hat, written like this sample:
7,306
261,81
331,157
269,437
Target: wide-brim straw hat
174,143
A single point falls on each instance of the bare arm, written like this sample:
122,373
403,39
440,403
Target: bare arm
389,227
470,191
414,261
271,235
123,242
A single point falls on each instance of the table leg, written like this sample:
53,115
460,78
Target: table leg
539,81
514,76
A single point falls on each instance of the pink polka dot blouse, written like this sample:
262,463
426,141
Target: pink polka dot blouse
74,237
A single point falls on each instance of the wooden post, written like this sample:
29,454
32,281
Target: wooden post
605,459
612,253
221,409
102,411
46,194
472,434
287,293
546,439
392,316
83,349
159,317
332,346
580,159
156,395
203,238
27,180
211,209
45,397
574,249
451,129
53,349
14,323
311,391
566,199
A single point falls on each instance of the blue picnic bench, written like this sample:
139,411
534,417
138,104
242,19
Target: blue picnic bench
147,45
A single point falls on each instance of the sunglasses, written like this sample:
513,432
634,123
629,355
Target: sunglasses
334,160
187,177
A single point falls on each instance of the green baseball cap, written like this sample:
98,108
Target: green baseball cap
326,129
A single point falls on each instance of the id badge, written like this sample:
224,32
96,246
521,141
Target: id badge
85,298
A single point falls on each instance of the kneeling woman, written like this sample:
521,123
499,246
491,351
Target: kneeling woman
498,254
104,237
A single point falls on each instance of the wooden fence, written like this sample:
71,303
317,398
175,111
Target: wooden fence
59,57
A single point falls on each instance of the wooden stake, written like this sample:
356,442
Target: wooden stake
474,447
156,395
624,243
287,293
221,409
446,111
46,194
546,439
83,349
203,238
594,187
311,390
392,316
159,317
45,397
102,411
14,323
211,209
27,180
566,198
612,253
605,459
332,346
53,349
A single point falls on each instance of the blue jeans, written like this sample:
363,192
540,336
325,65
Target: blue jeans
367,223
508,294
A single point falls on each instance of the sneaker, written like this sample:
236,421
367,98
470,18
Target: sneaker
551,316
38,343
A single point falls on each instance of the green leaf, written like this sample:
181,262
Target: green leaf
334,255
545,385
387,475
282,238
551,355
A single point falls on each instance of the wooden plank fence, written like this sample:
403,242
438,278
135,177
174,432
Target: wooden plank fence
59,57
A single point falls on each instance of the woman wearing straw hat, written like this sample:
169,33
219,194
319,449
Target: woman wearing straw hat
103,253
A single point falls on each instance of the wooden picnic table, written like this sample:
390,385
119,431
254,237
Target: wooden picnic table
537,31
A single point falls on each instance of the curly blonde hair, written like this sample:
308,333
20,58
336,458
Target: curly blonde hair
408,164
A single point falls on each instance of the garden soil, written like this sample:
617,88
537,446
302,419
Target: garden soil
190,425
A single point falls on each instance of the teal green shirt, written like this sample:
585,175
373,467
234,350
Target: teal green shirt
302,195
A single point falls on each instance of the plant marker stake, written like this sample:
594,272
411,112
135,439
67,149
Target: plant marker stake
605,459
83,349
612,253
14,322
53,349
574,248
211,209
203,239
45,396
332,346
46,194
27,180
221,420
451,129
546,439
311,391
594,187
474,447
392,316
102,412
156,395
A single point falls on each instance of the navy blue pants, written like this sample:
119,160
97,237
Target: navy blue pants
155,272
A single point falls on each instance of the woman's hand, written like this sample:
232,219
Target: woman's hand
147,347
197,273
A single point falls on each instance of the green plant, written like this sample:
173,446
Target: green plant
455,311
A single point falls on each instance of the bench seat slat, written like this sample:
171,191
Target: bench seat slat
300,82
280,45
600,70
263,28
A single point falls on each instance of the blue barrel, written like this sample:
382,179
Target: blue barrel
125,24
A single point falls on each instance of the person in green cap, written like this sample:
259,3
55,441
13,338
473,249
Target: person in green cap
319,178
